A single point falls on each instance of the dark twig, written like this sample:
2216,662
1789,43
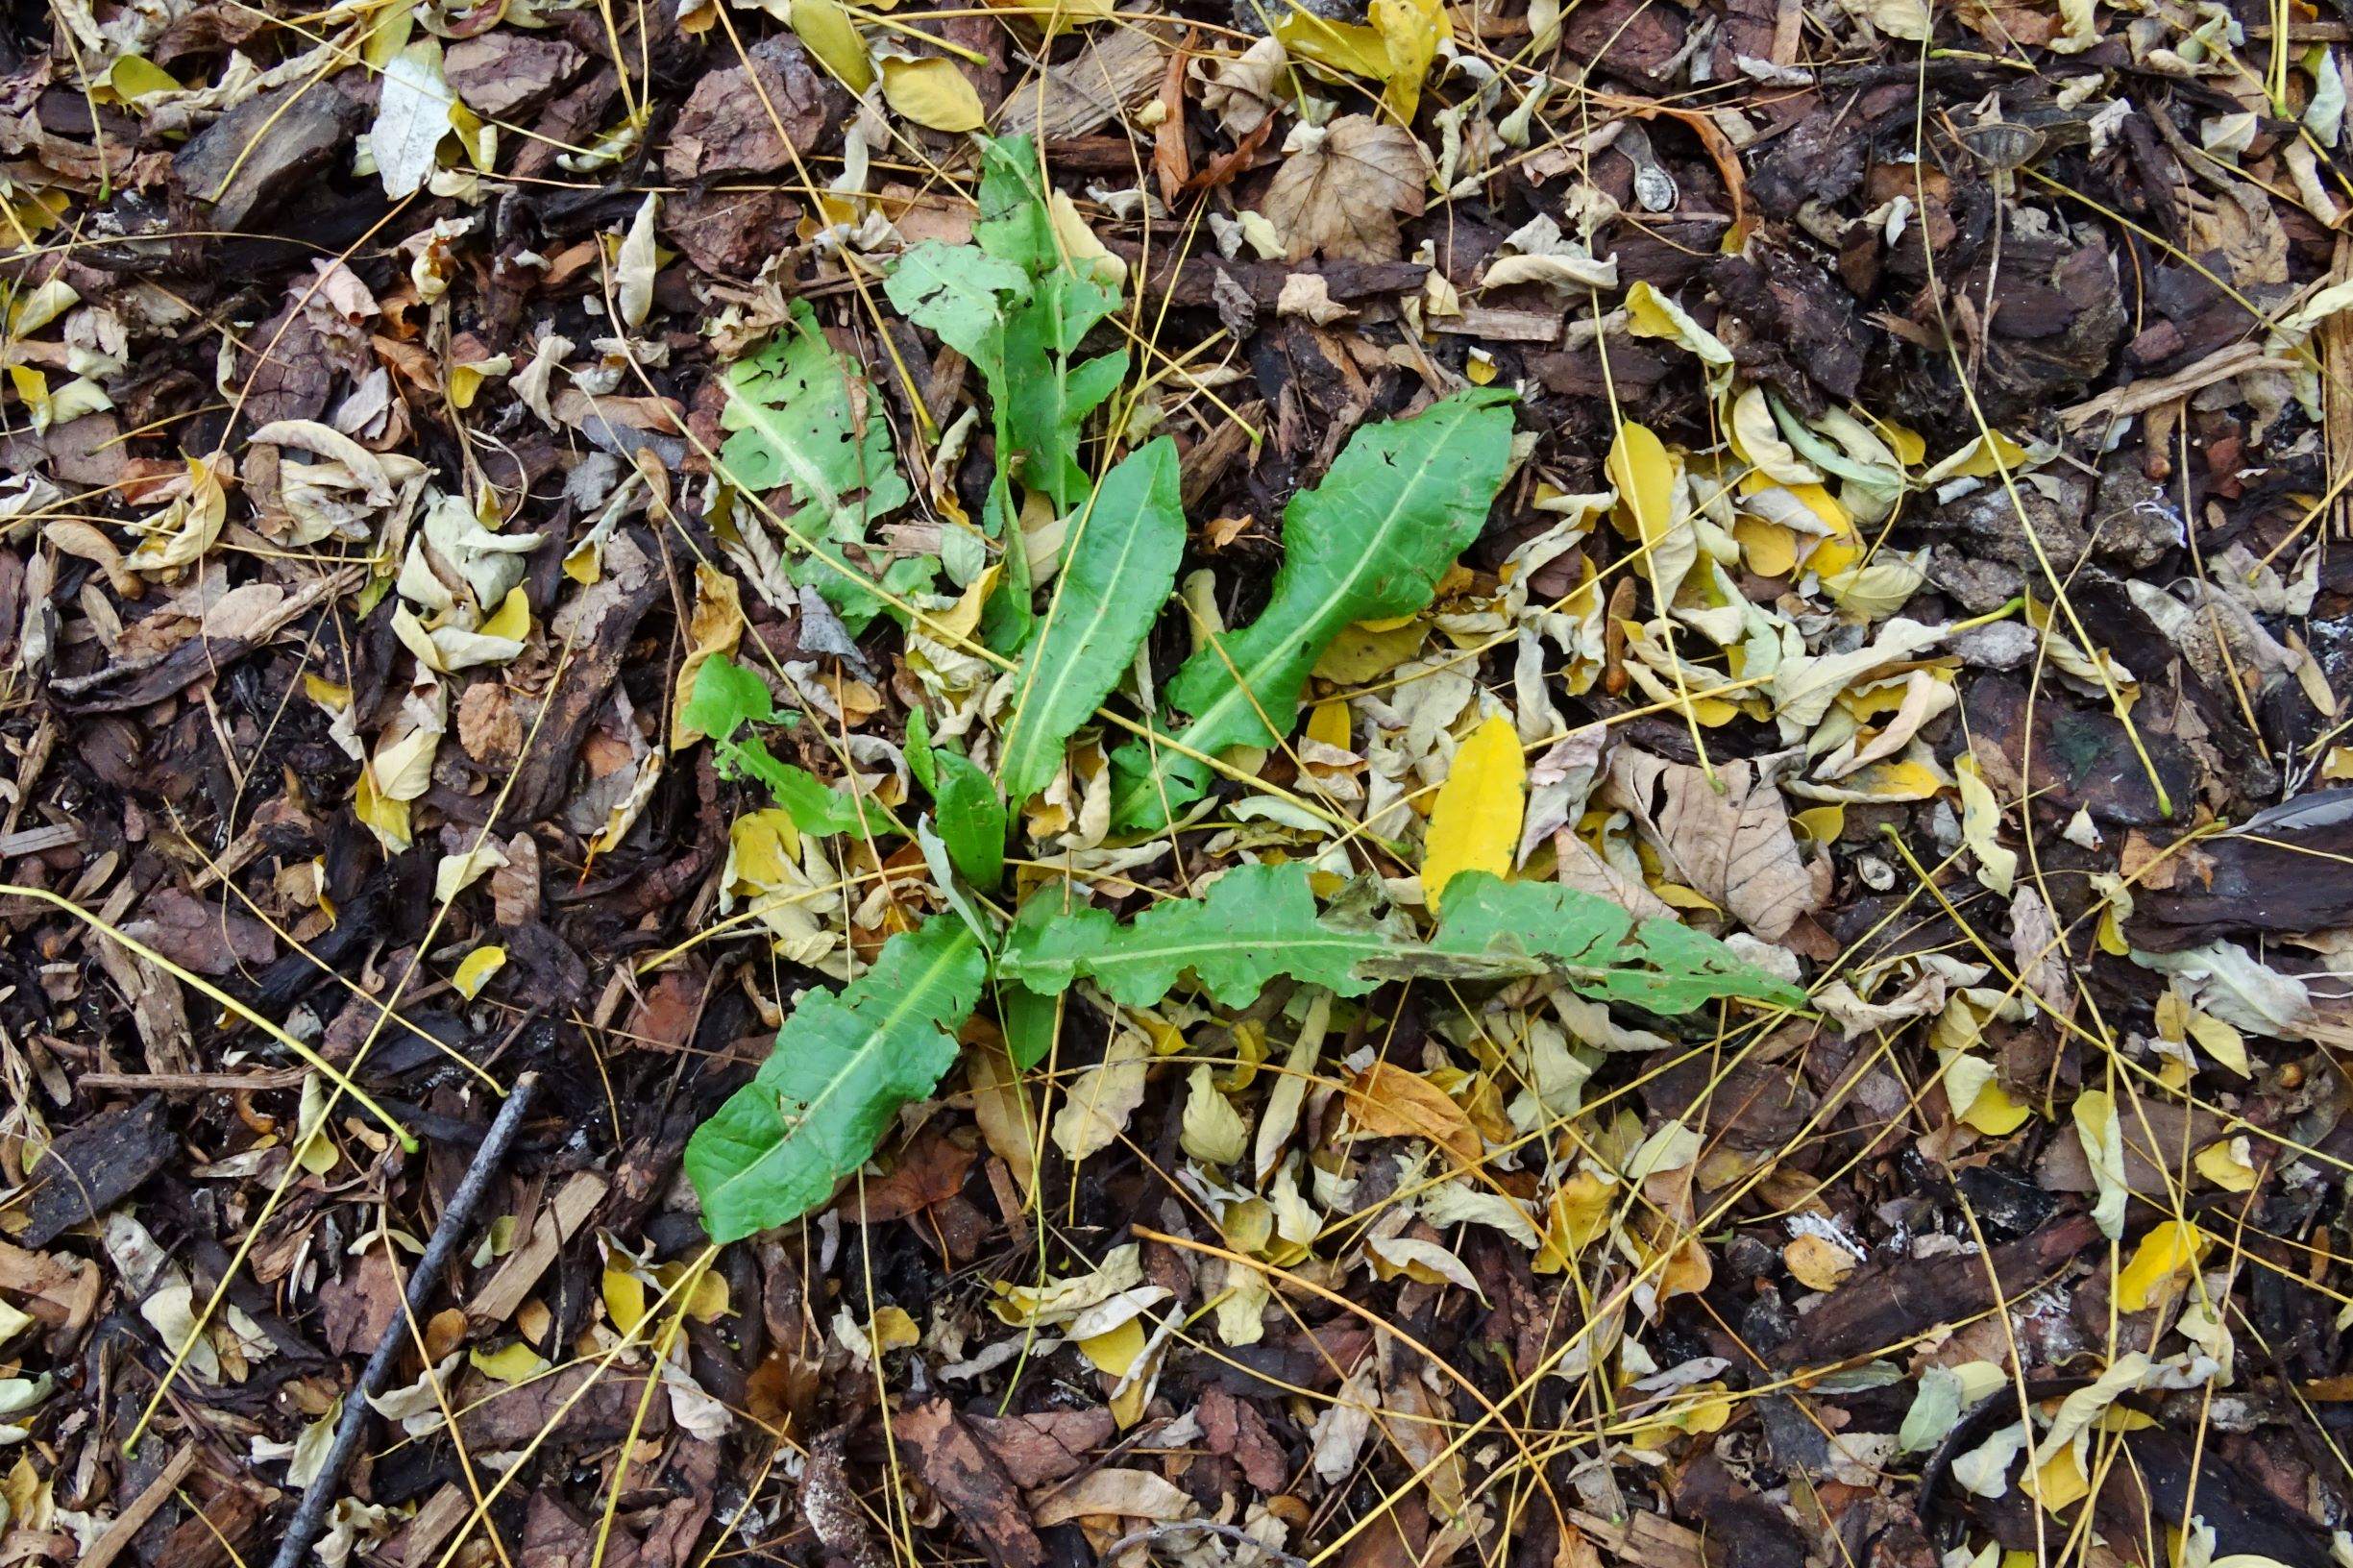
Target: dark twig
311,1517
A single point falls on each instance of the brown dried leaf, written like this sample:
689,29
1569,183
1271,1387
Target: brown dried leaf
1388,1100
1730,846
1341,195
1041,1449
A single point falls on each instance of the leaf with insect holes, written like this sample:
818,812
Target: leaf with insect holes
843,1065
796,423
1127,543
1403,500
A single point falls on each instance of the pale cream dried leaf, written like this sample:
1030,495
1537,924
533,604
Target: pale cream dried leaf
1103,1098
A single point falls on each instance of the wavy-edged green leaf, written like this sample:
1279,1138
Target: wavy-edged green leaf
843,1065
1255,922
1403,498
727,696
1130,540
1016,307
1661,965
790,414
1258,922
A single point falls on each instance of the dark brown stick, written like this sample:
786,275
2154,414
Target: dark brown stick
311,1515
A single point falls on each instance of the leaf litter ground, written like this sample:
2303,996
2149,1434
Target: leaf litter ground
1374,785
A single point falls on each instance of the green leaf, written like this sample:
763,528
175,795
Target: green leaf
1120,568
725,696
919,750
814,805
1028,1020
1403,498
790,408
843,1065
961,293
1662,966
1018,308
971,818
1258,922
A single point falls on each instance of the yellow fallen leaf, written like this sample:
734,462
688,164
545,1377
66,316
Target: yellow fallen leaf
1980,820
1706,1412
1902,439
2060,1480
518,1362
1213,1130
709,1302
1475,826
1818,824
1061,16
1770,548
1116,1350
466,379
830,36
1990,453
1652,314
1410,33
1579,1214
1081,244
2161,1266
1979,1100
625,1298
893,1330
1644,474
1347,47
134,79
512,620
475,971
932,92
1817,1264
2220,1041
1328,724
2229,1165
1366,651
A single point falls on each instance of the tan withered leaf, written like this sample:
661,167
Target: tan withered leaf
1388,1100
1732,845
1342,195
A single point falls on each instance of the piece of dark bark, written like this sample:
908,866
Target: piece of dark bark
599,625
601,1414
2282,871
971,1482
1887,1304
264,149
729,124
1039,1450
96,1165
502,75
